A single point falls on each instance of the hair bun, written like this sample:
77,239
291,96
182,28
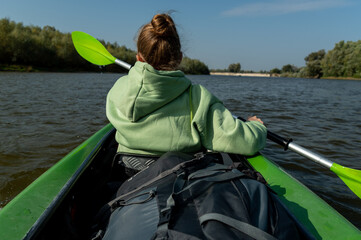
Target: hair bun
159,44
163,25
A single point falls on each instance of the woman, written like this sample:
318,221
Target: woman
156,109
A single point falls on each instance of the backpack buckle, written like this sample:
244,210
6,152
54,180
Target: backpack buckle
165,215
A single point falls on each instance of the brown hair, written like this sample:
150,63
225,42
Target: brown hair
158,43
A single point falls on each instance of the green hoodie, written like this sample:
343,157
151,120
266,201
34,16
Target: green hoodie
159,111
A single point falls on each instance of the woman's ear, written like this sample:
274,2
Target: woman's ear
140,58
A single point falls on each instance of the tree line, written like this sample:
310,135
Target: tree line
232,68
32,48
343,61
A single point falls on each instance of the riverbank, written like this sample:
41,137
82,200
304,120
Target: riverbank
89,69
241,74
17,68
272,75
22,68
342,78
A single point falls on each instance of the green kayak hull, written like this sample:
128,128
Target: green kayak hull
18,217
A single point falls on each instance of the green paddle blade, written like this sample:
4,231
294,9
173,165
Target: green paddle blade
91,49
351,177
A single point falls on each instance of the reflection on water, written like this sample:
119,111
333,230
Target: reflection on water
45,115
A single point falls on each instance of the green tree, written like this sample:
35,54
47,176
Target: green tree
234,68
49,49
289,68
193,66
313,64
275,71
6,27
344,60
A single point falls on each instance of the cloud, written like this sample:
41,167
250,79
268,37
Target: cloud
281,7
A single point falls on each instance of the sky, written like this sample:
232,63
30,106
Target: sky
260,35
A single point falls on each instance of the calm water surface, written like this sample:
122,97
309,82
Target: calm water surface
45,115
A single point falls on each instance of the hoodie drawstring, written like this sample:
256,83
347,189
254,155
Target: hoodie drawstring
190,103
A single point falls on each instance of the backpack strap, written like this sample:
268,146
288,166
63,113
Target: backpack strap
181,196
243,227
209,171
198,187
195,163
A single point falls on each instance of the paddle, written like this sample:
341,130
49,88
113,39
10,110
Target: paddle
92,50
351,177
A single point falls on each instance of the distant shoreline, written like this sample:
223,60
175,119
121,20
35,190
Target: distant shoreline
341,78
21,68
273,75
241,74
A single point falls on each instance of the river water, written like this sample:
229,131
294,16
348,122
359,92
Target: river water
45,115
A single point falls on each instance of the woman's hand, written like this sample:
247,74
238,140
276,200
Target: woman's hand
255,118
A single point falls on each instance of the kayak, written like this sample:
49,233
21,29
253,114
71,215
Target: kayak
57,206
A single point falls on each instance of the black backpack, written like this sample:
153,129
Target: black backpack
185,197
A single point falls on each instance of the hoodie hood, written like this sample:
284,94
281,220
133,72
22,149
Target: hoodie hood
145,90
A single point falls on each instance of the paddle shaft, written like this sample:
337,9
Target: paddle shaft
288,144
351,177
123,64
